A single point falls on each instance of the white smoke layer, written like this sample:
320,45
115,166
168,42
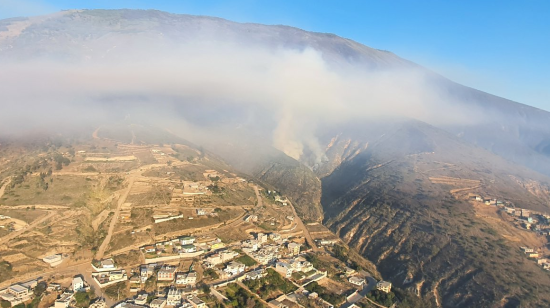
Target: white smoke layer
298,89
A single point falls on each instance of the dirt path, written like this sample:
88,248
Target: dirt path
95,133
121,200
36,206
297,219
257,191
100,218
3,188
459,190
15,234
301,225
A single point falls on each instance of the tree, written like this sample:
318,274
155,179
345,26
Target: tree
116,291
4,304
211,273
39,289
205,289
82,299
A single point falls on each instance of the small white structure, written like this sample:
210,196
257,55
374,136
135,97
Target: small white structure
78,284
253,275
141,299
174,297
383,286
284,268
186,279
53,260
234,268
294,248
358,281
196,302
100,303
64,300
261,238
158,303
187,240
108,264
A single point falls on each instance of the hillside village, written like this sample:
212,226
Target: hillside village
171,229
215,269
533,221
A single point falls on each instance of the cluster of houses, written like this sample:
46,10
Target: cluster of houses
172,297
164,273
181,292
106,273
528,219
19,293
22,292
534,254
286,267
180,247
267,248
180,286
325,242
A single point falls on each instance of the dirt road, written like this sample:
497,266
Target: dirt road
3,188
257,191
121,200
36,206
94,134
100,218
301,225
4,240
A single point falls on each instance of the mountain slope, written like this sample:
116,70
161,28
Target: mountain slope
517,132
386,201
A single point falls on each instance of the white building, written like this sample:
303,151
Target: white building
196,302
284,268
158,303
174,297
141,299
358,281
78,284
64,300
253,275
261,238
234,268
184,279
293,248
187,240
100,303
383,286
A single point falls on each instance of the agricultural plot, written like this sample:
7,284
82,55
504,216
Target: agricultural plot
60,190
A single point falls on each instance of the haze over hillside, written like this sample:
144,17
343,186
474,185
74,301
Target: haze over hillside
358,138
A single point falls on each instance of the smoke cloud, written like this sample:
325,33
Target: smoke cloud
285,93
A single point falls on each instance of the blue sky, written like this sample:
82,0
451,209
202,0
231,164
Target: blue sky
501,47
